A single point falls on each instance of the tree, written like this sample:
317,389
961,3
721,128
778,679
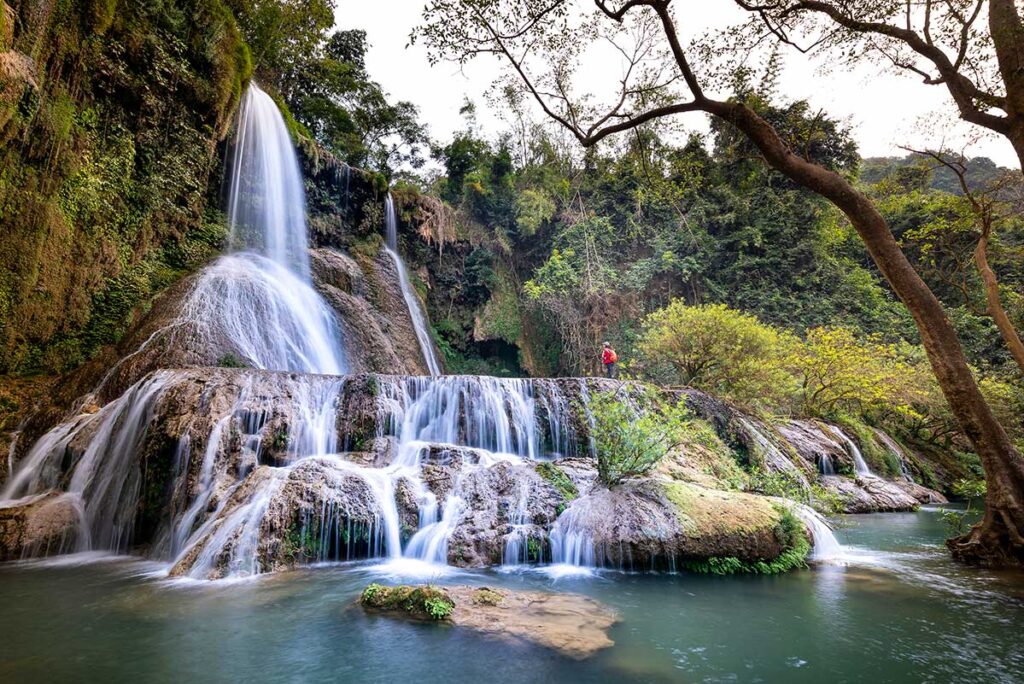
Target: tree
838,371
719,350
540,42
943,43
989,208
330,93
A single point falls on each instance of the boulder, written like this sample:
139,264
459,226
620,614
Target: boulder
869,494
40,526
573,625
643,524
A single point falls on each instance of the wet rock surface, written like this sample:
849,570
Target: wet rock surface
573,625
234,471
40,526
870,494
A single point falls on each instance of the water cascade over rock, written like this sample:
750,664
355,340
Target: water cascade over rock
229,472
412,302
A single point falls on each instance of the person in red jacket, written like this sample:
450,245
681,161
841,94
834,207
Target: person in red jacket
609,358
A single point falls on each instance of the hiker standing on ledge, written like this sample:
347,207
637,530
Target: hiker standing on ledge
609,358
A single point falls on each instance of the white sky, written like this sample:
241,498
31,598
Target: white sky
884,110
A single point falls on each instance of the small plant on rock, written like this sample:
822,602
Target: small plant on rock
630,439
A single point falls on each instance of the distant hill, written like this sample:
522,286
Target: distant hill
980,171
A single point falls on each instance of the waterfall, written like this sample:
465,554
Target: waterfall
825,546
412,302
896,451
266,202
516,550
859,464
571,540
774,459
260,299
494,415
483,421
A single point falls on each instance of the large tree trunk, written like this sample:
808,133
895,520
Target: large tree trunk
999,538
1007,32
995,305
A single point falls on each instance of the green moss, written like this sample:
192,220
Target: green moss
488,597
302,542
715,512
103,203
425,602
554,475
230,360
790,534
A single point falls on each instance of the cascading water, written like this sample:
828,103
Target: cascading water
482,422
859,464
897,451
260,300
571,540
412,303
774,459
825,546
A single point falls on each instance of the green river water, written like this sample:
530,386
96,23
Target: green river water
899,611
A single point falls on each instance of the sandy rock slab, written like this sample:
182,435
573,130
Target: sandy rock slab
573,625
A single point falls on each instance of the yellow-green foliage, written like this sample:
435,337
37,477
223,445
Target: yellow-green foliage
105,166
831,372
717,349
838,367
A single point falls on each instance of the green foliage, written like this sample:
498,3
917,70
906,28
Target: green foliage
972,491
438,608
301,543
423,601
628,439
103,197
231,360
553,474
772,483
717,349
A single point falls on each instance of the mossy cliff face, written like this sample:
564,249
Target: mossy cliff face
110,113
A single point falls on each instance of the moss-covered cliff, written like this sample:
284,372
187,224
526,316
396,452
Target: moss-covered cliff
110,115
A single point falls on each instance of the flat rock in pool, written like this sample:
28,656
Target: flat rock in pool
574,625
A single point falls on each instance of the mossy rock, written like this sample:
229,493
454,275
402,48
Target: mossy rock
422,602
488,597
713,512
559,480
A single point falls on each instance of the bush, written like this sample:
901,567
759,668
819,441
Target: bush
719,350
631,439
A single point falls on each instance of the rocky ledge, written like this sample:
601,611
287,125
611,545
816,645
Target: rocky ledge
573,625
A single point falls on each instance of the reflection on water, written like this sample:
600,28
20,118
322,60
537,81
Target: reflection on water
898,611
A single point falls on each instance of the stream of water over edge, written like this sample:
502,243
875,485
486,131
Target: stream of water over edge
900,611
